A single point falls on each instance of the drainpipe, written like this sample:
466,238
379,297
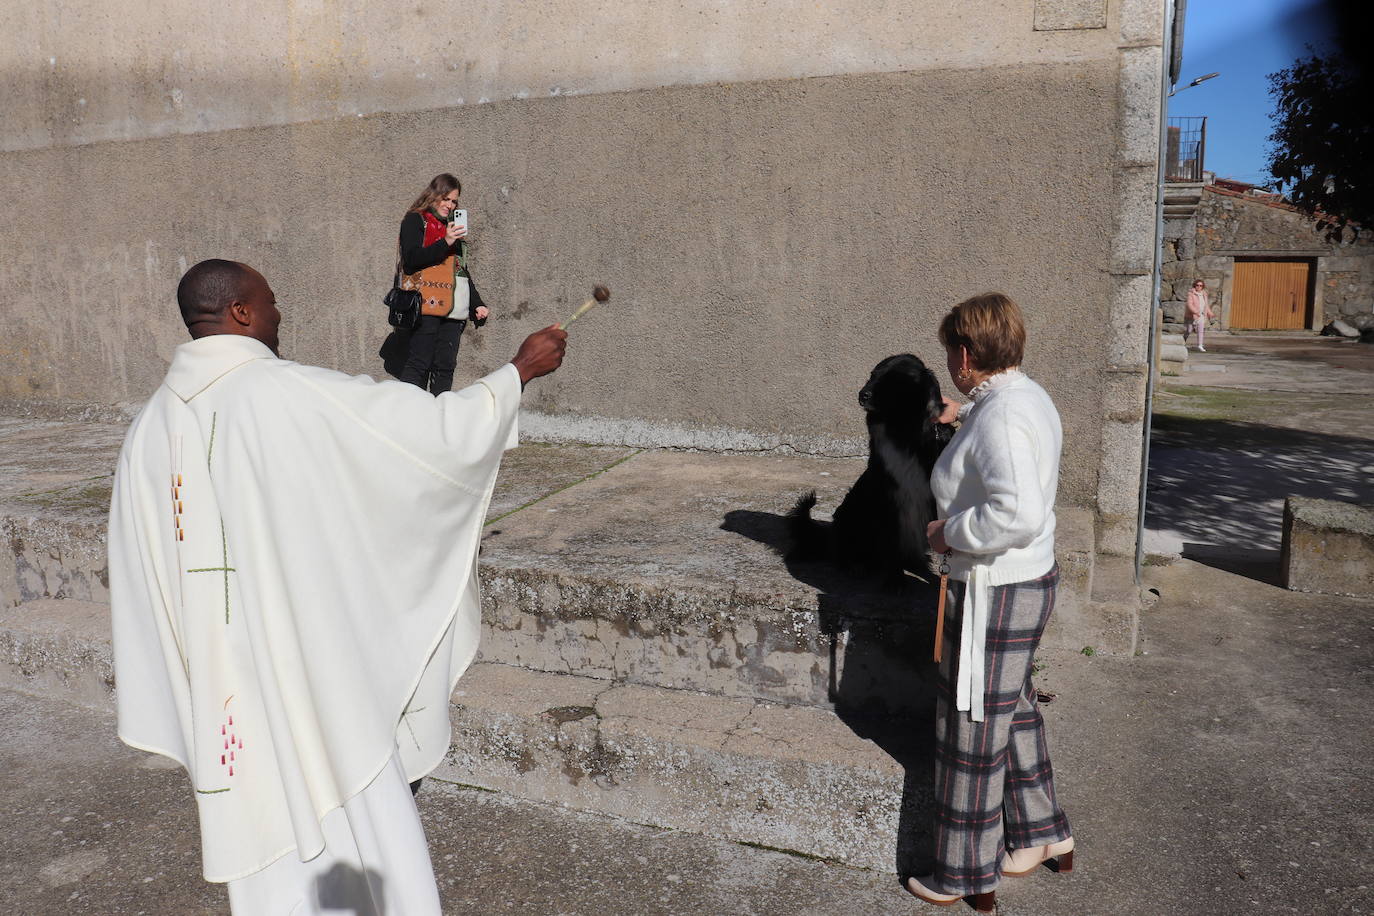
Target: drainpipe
1173,24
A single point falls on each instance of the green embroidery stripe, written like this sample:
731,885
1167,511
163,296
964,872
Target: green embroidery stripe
210,450
210,791
214,569
224,546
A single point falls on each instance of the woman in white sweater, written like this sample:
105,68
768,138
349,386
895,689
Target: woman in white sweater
994,487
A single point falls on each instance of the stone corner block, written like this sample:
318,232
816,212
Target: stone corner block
1059,15
1140,83
1328,547
1142,21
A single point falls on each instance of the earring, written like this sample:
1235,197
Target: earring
964,375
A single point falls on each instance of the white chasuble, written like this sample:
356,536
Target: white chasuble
293,584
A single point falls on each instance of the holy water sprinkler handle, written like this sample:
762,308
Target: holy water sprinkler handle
600,293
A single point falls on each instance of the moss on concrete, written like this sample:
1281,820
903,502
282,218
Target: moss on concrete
91,494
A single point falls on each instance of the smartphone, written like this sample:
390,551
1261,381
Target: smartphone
459,218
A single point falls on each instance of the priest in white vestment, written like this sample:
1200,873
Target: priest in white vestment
293,579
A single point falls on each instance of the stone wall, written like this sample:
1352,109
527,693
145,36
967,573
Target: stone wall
1228,225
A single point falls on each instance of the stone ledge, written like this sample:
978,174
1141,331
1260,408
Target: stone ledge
58,647
794,778
1328,547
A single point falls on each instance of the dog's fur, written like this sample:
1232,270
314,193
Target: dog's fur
881,524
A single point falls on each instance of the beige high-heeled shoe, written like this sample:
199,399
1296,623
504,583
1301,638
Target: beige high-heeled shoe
1021,862
981,903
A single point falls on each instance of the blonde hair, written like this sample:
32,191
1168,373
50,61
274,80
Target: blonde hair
990,327
439,186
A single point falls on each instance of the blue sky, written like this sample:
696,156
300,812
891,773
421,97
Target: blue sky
1245,40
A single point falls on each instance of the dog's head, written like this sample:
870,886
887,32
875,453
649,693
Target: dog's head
901,388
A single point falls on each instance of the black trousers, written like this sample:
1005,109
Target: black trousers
433,353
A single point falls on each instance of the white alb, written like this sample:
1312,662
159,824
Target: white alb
995,485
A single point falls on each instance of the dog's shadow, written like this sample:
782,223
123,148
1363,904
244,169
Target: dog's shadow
882,681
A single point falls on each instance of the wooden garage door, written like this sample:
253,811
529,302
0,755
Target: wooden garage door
1270,294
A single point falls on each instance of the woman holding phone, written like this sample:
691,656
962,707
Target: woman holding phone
433,260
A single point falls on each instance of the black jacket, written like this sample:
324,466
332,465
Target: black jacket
416,256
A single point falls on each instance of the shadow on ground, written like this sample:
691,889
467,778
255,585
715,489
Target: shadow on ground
882,681
1219,486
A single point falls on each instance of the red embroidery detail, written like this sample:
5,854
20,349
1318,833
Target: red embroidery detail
232,742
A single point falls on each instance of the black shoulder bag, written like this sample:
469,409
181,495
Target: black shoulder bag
403,305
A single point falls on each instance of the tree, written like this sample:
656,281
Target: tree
1323,144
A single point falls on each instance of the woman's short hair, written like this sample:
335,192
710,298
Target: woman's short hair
441,185
990,327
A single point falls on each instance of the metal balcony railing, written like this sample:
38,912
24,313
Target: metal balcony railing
1184,148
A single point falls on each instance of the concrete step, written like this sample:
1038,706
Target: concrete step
60,648
1177,353
665,570
789,777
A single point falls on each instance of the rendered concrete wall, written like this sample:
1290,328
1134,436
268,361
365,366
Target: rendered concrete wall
767,238
83,71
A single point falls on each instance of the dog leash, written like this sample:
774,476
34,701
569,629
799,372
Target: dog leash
940,608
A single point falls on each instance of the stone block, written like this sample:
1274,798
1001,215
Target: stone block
1187,248
1178,272
1142,21
1138,87
1059,15
1119,480
1180,228
1213,264
1173,311
1123,395
1132,299
1328,547
1133,241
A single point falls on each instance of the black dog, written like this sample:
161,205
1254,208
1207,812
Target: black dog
881,524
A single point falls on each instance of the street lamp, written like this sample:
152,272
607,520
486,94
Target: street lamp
1200,79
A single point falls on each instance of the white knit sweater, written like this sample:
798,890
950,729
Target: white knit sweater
995,485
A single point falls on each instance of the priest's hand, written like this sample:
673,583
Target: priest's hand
541,353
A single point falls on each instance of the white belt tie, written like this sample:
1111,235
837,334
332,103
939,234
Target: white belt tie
973,630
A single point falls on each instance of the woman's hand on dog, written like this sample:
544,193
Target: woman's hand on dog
935,533
951,411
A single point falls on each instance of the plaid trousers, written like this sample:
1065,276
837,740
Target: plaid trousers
994,788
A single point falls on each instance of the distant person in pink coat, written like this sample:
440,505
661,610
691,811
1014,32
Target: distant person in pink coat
1199,312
